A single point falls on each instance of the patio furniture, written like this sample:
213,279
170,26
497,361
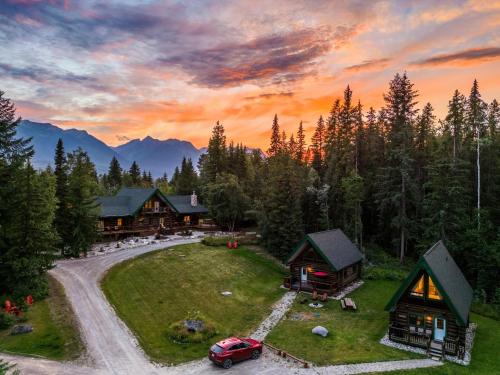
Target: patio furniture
348,304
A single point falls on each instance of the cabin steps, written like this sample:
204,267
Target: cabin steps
435,350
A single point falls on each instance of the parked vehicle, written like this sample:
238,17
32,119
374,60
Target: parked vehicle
234,349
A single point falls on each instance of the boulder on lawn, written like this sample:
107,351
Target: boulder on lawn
19,329
319,330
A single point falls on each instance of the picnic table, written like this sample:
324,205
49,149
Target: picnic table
348,304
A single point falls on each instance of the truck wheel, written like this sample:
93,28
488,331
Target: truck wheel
227,363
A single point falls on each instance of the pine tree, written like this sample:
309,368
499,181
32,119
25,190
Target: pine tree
84,209
454,122
318,146
135,174
276,144
476,120
301,143
61,220
114,179
398,182
215,160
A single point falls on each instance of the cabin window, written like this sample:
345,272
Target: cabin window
433,292
162,221
119,222
419,288
349,271
101,225
310,255
187,219
416,320
149,204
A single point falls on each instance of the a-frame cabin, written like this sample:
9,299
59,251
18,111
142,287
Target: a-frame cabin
431,308
325,262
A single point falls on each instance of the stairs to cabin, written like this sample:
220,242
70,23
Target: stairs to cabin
436,350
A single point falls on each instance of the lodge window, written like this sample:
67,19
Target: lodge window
187,219
119,222
426,287
101,225
149,204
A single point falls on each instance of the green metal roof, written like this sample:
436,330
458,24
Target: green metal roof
182,205
333,245
127,202
449,280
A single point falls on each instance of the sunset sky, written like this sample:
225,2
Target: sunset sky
172,69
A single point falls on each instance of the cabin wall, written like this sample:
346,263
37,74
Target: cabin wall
310,259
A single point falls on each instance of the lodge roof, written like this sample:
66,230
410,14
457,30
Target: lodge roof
448,278
333,245
128,201
182,205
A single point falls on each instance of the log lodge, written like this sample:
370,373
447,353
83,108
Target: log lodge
142,211
431,308
324,262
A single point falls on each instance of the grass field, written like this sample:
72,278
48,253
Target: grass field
55,334
353,336
153,291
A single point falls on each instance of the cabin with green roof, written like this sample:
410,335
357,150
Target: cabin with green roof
431,307
324,262
144,211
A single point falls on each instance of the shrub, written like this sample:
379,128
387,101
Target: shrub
6,320
378,273
179,334
222,241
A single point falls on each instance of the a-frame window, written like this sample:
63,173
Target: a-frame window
432,291
419,288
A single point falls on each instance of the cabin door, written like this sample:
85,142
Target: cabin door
303,275
439,329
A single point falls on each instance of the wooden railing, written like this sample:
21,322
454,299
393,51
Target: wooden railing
154,210
451,345
404,335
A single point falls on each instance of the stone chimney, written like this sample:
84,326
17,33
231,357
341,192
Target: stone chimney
194,199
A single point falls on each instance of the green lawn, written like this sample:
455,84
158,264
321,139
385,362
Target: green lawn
485,358
55,334
157,289
354,336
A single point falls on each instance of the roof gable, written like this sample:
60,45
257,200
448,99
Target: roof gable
449,280
128,201
333,245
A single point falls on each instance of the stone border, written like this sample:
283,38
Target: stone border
469,343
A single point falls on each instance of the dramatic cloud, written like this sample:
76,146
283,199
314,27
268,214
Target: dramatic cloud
265,60
474,54
41,75
269,95
368,65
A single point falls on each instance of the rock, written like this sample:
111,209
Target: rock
319,330
226,293
316,305
194,325
19,329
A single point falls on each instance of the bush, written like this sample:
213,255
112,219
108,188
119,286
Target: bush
6,320
222,241
179,334
378,273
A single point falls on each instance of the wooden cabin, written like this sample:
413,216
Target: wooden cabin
142,211
431,308
325,262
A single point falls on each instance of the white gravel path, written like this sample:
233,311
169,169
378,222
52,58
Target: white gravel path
113,349
279,310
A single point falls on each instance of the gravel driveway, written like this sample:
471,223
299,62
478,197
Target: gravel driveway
113,349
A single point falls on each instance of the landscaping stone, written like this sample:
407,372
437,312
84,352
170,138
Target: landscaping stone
19,329
193,325
320,330
226,293
316,305
279,310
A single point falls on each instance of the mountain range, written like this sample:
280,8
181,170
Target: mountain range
154,155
